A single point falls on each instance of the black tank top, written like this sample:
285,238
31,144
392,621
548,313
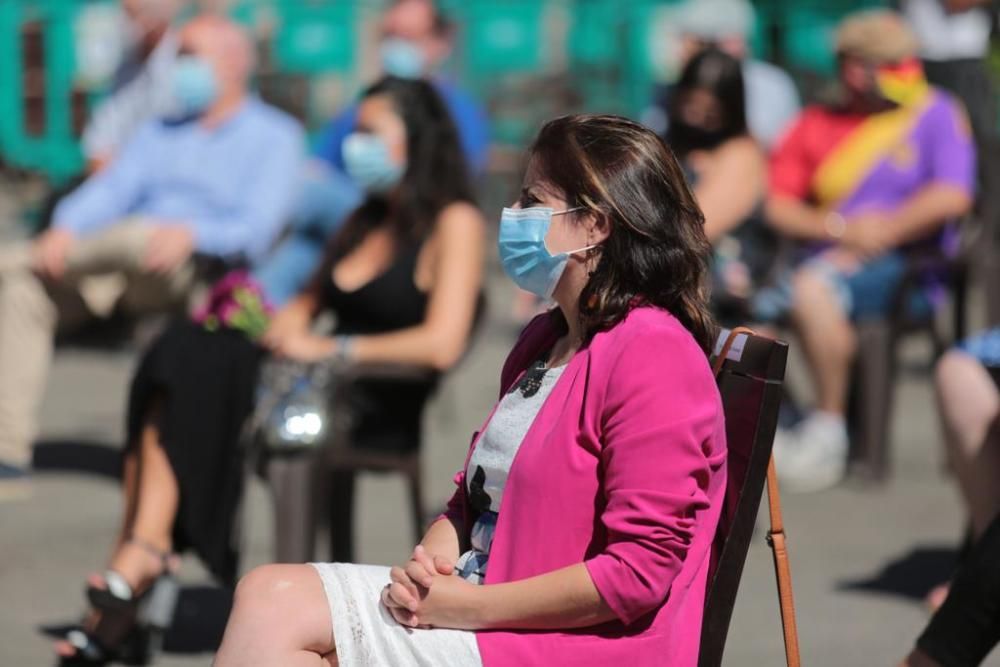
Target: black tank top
387,414
388,302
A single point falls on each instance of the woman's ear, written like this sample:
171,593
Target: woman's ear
598,227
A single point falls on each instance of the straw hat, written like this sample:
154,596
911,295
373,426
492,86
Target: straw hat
880,37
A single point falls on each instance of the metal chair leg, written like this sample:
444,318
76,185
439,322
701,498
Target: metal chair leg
874,373
413,475
342,516
294,487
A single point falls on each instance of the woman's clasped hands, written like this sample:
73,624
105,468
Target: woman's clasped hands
425,593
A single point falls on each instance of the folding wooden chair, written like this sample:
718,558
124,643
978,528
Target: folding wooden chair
750,370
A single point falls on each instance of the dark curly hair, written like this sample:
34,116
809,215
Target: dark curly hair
436,173
656,252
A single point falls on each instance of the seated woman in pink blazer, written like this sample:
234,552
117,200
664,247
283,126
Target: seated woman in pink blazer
582,526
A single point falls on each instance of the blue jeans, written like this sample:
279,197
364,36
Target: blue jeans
864,294
327,198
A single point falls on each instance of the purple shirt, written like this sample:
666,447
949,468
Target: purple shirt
939,149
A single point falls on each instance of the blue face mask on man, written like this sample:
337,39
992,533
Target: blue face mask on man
523,254
368,163
194,86
402,58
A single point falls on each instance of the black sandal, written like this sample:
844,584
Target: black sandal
130,627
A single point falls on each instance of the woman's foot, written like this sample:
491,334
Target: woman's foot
134,568
139,563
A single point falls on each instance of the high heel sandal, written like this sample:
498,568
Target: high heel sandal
130,627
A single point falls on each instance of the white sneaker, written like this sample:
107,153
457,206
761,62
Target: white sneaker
785,444
815,456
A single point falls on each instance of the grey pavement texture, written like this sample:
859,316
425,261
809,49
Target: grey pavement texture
861,557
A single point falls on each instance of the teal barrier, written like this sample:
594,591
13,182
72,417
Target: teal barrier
316,38
51,148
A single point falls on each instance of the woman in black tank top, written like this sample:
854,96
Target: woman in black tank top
414,250
726,170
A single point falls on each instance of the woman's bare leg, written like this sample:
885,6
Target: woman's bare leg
158,493
130,492
280,617
919,659
969,404
828,339
151,499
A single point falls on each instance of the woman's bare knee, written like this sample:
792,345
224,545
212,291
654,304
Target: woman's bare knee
809,285
287,603
968,400
954,369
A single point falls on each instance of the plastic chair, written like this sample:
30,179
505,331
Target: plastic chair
877,365
750,382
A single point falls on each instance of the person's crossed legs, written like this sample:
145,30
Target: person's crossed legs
31,309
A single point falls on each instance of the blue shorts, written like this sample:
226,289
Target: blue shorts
864,294
985,347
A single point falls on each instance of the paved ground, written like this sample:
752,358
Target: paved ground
862,558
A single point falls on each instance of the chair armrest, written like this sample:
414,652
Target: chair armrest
917,267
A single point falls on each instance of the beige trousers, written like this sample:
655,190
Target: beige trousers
102,271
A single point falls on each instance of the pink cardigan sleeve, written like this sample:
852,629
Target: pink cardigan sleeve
661,411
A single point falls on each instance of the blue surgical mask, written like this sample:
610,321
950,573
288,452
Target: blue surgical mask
523,253
193,86
402,58
368,163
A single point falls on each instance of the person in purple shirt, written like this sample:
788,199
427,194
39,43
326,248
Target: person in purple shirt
862,183
211,184
416,40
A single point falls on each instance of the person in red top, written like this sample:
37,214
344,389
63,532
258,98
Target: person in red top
860,183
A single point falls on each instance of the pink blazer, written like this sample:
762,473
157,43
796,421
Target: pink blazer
623,469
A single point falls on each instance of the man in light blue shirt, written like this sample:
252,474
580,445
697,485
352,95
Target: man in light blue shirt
227,185
215,180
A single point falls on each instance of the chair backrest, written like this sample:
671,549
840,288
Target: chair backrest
750,385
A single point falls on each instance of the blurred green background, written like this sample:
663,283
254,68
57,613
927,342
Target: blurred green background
526,59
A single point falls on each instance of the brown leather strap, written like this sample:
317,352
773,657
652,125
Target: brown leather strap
782,569
776,534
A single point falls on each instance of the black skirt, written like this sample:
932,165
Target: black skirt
205,384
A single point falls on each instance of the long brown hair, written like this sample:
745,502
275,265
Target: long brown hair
436,175
656,252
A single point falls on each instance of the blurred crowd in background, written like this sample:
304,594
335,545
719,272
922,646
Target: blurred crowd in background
844,154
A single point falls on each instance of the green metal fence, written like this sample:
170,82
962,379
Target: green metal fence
524,58
38,105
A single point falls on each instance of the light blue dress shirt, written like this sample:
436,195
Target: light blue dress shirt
234,184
